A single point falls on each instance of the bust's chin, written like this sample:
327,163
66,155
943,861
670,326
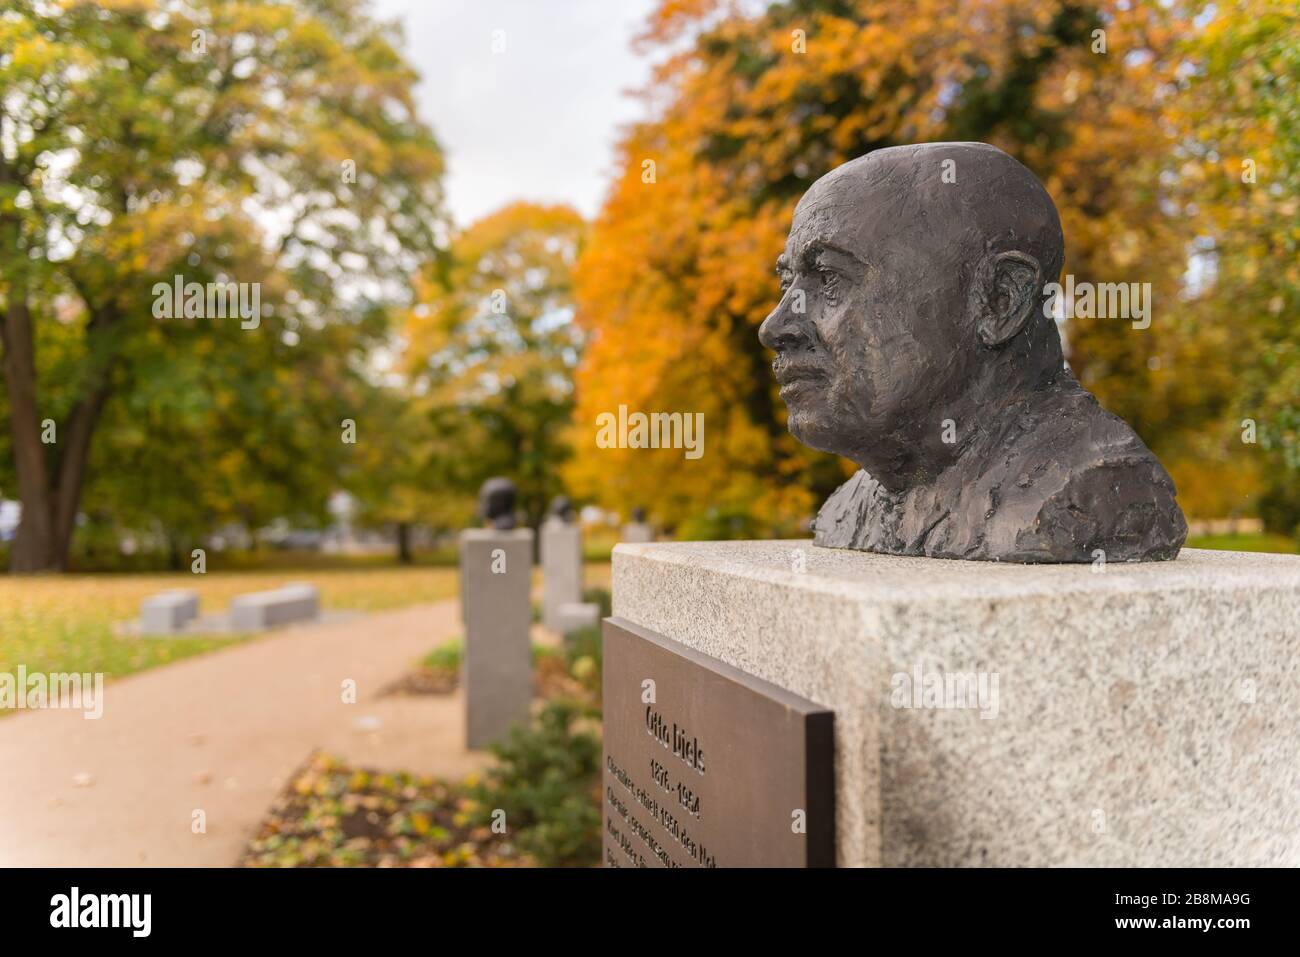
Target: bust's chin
849,439
816,434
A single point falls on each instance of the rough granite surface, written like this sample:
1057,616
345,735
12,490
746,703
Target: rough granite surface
1147,714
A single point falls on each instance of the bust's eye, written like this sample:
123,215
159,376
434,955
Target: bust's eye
830,282
786,278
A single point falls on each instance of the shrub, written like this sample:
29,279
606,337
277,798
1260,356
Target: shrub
582,643
1279,508
601,597
446,656
547,781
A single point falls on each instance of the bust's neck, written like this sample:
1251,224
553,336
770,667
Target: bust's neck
957,438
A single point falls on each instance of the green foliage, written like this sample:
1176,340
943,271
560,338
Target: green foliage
282,152
720,524
584,655
547,780
1241,108
1279,508
583,643
601,597
447,656
583,647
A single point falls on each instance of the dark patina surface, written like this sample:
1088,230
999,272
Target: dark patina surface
912,338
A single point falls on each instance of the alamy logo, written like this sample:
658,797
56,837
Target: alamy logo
215,300
57,690
945,690
103,910
1103,300
656,430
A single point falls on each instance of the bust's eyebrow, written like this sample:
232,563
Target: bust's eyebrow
782,263
814,247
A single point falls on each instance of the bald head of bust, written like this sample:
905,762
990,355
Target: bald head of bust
911,275
912,319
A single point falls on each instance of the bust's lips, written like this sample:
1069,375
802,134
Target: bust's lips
791,372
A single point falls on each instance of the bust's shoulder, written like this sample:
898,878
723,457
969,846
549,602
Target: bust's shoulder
1058,480
1086,482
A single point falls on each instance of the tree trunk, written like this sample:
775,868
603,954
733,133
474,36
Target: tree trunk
49,497
74,442
404,543
49,515
34,544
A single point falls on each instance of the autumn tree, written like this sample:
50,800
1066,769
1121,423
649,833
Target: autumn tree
272,144
1239,178
388,474
750,106
490,355
217,429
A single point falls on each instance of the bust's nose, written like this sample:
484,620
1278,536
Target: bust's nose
780,330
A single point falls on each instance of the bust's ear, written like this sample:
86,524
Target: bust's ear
1003,295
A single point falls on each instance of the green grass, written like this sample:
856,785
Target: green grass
64,623
1261,542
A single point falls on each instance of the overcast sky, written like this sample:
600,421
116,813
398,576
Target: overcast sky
538,121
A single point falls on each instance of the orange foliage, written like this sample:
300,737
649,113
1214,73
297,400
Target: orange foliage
679,270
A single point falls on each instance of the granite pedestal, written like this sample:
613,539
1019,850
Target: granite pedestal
1012,715
496,574
561,554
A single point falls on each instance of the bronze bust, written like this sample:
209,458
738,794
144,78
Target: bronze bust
496,503
912,338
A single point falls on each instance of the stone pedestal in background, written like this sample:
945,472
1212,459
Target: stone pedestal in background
1139,715
561,554
635,533
495,575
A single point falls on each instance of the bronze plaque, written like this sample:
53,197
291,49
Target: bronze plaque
707,766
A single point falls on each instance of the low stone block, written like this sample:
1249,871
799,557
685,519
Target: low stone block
278,606
168,612
576,614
